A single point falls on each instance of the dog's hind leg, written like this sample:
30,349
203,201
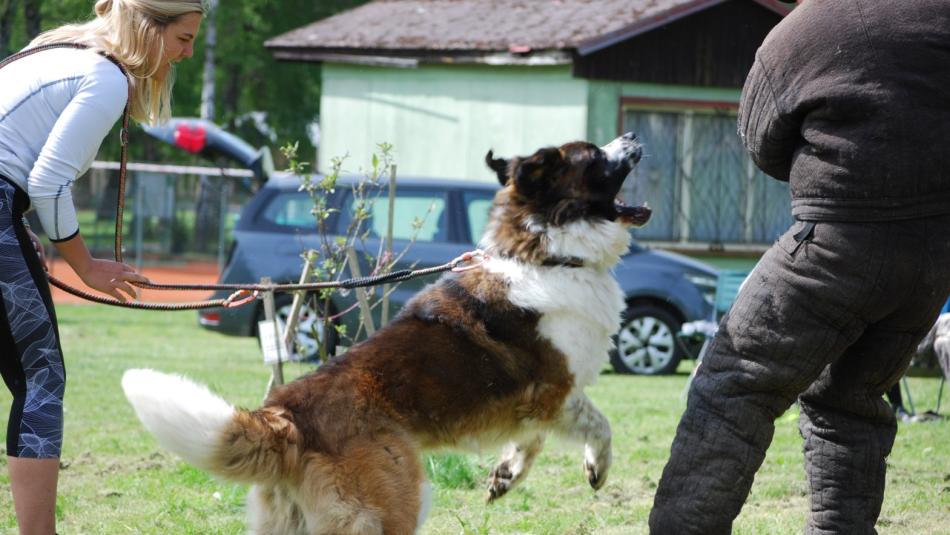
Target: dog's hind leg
515,462
374,486
271,511
582,422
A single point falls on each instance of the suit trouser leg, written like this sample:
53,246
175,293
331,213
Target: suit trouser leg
802,308
847,426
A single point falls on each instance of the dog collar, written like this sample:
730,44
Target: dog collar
563,261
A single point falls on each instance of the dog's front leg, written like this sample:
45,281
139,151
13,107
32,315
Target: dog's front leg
581,421
515,462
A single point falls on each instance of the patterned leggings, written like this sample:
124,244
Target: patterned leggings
31,359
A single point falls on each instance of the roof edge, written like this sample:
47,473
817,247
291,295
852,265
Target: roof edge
379,58
371,60
651,23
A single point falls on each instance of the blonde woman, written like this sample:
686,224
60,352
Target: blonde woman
56,106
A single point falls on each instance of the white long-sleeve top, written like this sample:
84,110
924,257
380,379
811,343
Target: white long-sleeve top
56,107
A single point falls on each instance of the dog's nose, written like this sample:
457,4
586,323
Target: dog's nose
629,136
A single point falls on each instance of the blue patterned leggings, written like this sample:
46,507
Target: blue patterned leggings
31,359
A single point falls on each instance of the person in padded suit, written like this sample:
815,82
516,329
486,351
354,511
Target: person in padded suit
56,106
848,101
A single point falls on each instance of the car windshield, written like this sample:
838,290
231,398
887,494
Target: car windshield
477,207
418,215
289,209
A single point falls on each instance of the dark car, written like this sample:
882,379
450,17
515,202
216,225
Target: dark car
662,289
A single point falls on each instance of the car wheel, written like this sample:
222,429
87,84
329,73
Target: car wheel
309,327
646,343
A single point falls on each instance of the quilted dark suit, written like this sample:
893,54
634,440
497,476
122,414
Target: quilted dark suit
849,100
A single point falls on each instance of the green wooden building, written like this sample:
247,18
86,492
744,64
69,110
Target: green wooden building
444,81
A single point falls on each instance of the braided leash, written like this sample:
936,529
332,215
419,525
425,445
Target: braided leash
246,293
243,293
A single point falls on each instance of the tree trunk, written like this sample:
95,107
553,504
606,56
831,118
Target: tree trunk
7,11
33,18
208,207
211,43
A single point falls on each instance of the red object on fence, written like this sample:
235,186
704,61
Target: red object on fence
191,138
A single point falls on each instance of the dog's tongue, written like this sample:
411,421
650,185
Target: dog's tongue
633,215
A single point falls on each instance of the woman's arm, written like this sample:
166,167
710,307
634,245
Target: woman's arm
108,277
72,144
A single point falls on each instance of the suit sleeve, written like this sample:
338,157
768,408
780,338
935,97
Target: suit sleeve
770,134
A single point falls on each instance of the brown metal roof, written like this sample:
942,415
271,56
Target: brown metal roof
447,26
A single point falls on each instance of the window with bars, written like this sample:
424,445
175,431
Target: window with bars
697,177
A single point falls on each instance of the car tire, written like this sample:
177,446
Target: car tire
306,342
646,342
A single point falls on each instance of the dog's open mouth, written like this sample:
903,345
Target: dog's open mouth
636,216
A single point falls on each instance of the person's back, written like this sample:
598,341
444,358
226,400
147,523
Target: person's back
861,89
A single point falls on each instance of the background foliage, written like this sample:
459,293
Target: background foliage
248,79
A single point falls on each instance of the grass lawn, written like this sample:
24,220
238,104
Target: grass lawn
115,479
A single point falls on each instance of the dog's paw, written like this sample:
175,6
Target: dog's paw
595,477
500,482
596,467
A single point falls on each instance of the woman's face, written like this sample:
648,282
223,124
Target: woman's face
179,39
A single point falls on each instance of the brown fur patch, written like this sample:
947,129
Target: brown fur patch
451,366
264,441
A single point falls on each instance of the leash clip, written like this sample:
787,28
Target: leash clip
475,259
240,298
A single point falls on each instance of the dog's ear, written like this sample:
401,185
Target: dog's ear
531,172
499,166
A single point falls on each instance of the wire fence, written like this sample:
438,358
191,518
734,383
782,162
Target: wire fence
172,212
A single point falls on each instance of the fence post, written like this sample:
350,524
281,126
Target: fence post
365,310
225,199
290,330
277,375
384,315
138,222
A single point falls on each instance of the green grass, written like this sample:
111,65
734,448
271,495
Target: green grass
116,479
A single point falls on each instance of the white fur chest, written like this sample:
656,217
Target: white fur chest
580,310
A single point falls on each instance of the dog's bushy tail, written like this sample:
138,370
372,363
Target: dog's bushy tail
205,430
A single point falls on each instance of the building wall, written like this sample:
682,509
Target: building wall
442,120
604,102
712,48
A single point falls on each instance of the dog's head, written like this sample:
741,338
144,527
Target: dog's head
558,194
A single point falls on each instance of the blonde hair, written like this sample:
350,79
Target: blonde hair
131,31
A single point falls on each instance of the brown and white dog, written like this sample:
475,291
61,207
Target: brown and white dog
492,356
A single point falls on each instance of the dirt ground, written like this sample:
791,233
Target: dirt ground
192,272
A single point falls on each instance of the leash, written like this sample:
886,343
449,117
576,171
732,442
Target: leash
246,293
243,293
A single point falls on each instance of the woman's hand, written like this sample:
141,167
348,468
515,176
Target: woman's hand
112,278
38,245
108,277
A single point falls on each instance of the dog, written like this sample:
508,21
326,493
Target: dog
496,356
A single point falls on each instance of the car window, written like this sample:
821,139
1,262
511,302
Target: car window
417,213
477,206
290,209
